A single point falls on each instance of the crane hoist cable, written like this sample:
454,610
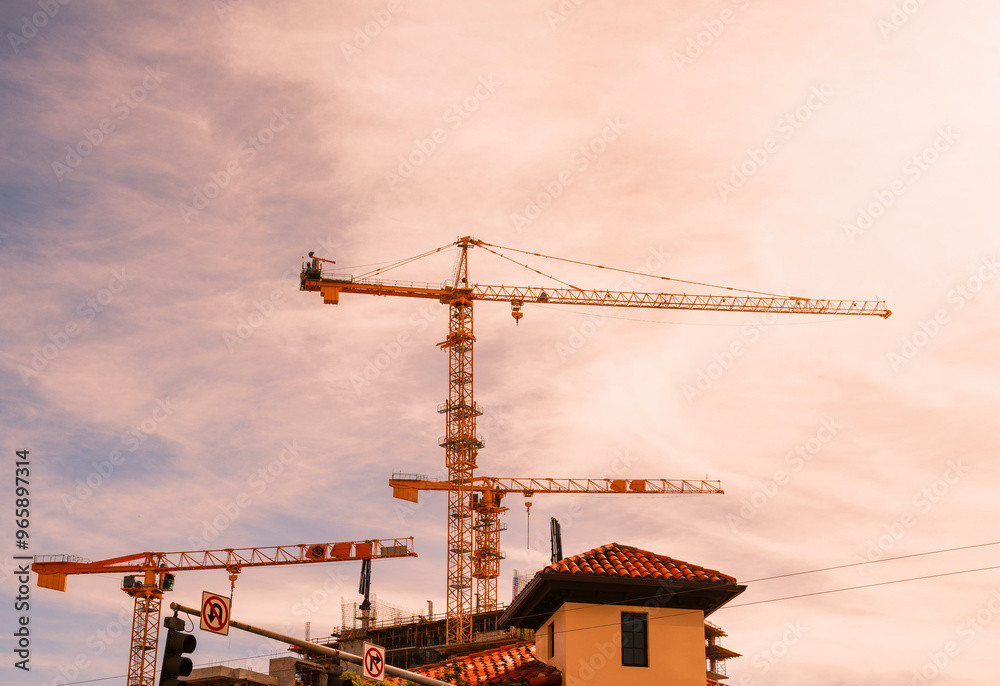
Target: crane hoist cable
400,263
629,271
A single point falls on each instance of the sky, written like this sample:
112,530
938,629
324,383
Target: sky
166,168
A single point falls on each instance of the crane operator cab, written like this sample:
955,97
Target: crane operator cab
311,268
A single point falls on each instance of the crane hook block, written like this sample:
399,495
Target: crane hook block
515,311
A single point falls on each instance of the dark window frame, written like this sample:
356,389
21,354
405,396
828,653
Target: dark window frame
635,639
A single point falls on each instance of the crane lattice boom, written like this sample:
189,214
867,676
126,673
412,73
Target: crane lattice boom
331,287
226,558
147,591
408,486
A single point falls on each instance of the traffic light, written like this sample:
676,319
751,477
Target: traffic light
175,663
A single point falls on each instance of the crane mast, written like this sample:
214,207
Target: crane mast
461,444
474,503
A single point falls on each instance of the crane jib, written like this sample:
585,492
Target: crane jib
517,295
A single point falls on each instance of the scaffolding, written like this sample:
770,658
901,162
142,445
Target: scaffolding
381,614
715,654
520,581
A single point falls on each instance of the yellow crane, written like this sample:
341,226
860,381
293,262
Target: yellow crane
157,570
473,524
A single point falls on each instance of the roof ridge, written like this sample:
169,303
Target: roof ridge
617,559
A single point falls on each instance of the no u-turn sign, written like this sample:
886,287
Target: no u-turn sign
215,613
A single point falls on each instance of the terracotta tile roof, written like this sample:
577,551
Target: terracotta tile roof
628,561
514,662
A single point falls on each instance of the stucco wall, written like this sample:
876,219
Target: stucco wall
588,646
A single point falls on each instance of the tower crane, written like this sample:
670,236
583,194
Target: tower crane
472,546
488,493
157,576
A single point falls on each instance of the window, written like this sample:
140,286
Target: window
634,641
552,639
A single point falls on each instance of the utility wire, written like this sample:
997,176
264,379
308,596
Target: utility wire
854,588
204,664
659,596
775,600
884,559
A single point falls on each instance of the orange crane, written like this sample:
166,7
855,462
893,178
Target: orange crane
472,546
486,508
157,570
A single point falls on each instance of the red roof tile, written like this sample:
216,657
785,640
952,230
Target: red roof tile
630,562
508,663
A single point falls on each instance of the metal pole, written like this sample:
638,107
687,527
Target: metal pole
316,648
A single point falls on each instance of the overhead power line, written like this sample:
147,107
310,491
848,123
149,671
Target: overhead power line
884,559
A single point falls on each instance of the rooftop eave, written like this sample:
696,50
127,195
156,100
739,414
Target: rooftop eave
550,590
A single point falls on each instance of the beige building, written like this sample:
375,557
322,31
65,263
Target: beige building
620,615
220,675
